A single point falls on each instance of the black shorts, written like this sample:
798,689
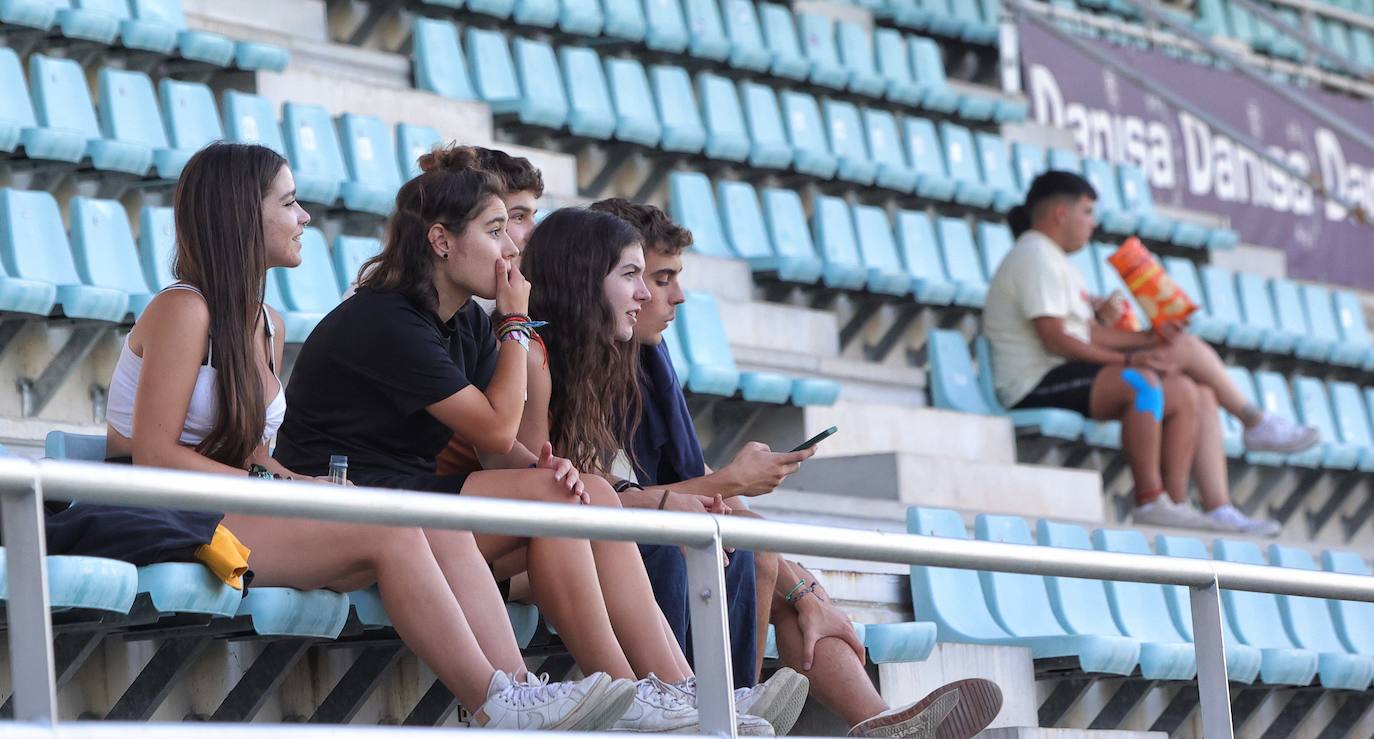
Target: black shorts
1068,386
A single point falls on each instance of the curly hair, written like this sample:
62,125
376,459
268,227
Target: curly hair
659,231
513,174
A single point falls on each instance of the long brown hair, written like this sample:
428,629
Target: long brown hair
221,250
596,400
439,194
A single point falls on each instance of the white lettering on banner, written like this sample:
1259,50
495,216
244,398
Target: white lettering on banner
1347,179
1216,165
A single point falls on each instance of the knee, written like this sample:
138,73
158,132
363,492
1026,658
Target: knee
543,487
393,544
1147,392
600,491
1206,398
765,566
1181,395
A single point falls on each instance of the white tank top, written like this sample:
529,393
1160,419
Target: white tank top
201,412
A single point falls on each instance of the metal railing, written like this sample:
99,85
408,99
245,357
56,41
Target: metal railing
25,484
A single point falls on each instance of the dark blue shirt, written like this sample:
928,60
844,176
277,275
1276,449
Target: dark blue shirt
665,448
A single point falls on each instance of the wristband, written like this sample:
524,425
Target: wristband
624,485
794,590
664,500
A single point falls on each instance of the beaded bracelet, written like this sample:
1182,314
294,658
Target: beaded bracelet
794,590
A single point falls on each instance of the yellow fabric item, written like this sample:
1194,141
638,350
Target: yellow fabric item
226,556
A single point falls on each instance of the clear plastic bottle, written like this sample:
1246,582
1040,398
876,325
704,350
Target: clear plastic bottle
338,469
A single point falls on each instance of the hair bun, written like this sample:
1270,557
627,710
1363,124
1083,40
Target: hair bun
450,156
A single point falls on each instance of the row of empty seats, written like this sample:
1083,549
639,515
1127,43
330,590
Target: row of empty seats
155,26
1352,42
974,21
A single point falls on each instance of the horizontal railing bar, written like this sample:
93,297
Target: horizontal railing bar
175,730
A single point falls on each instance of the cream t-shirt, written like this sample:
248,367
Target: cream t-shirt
1035,280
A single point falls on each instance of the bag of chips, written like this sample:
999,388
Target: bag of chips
1157,293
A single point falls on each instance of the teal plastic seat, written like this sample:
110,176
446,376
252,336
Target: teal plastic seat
258,56
672,339
493,70
1231,426
624,20
1314,406
1310,626
769,147
636,121
846,134
1086,262
132,127
1064,160
90,20
929,71
1110,211
1223,303
974,26
912,641
318,614
542,99
19,123
1141,610
910,13
299,323
794,251
157,246
440,65
711,366
926,156
1353,421
806,391
921,255
67,128
1259,626
188,588
1355,345
833,229
1029,162
780,36
1274,397
160,26
748,232
38,14
894,67
374,175
251,119
494,8
1354,619
104,251
961,262
961,157
683,131
313,287
590,111
994,243
856,55
747,48
691,204
1050,422
817,34
1323,339
28,218
727,133
90,583
996,167
367,606
581,17
348,256
312,147
1203,323
665,29
955,386
885,149
412,142
811,153
191,117
1257,305
538,13
1291,318
707,38
878,250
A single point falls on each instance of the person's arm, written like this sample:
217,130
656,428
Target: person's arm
1115,338
1057,341
755,470
534,424
817,616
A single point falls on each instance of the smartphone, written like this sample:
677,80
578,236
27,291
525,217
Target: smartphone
818,438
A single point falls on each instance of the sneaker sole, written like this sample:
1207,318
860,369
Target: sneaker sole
603,706
782,703
976,702
1297,448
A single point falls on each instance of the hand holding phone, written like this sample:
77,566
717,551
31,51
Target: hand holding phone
818,438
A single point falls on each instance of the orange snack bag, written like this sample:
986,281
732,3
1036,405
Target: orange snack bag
1127,320
1157,293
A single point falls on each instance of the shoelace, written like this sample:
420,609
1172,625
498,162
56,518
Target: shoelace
688,688
658,693
536,689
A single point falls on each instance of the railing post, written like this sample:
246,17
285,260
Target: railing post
30,628
1209,642
711,638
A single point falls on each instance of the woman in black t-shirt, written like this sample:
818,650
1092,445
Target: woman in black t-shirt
391,373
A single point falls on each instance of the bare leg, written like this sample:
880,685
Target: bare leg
1209,464
470,578
1179,435
303,554
838,678
1199,361
1113,398
766,575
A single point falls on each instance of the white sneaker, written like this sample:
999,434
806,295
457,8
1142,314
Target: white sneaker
659,708
1163,511
776,702
591,704
1275,433
1229,518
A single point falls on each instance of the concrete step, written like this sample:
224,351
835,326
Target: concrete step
1035,732
727,279
271,21
778,327
871,428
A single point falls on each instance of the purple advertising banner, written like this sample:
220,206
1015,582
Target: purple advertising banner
1192,166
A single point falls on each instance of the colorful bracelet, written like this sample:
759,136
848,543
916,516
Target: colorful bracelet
794,590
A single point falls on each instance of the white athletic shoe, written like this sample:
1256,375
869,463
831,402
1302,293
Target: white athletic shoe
1163,511
591,704
658,708
777,700
1228,518
1275,433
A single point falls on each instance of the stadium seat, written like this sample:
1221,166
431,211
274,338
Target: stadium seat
373,173
921,255
132,126
191,116
929,70
494,8
878,251
817,34
1314,407
811,153
727,133
832,226
793,257
1029,162
90,20
961,262
1110,212
581,17
104,251
1141,610
780,35
1324,341
713,370
92,583
590,111
894,65
769,148
973,26
40,275
1085,261
677,109
157,246
250,119
348,256
1291,317
1354,330
19,124
313,150
1258,307
309,290
255,55
747,48
846,134
1203,322
924,152
885,150
1064,160
160,26
856,54
691,204
38,14
624,20
1353,421
1310,625
65,117
539,13
1354,619
955,386
993,158
493,70
440,65
707,38
911,14
665,29
412,142
636,121
994,242
1223,304
961,157
672,338
1274,397
542,99
1245,382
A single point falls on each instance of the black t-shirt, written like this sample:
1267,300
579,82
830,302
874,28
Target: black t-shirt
365,376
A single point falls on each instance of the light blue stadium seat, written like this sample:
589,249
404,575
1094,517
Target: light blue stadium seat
81,447
856,54
18,123
311,289
104,251
299,324
929,69
994,242
1081,606
894,66
846,134
1109,210
636,120
691,204
67,127
348,256
38,14
1353,421
926,156
251,119
811,153
319,614
921,255
794,256
542,99
1274,397
1202,323
666,28
90,20
1323,340
996,167
911,641
1354,330
255,55
961,157
157,246
727,134
707,30
807,391
780,35
155,22
954,385
1310,625
976,27
1141,610
712,368
1085,261
412,142
1223,304
32,217
1051,422
92,583
1314,406
1064,160
493,70
581,17
832,225
1137,198
624,20
132,126
747,48
885,150
440,65
312,147
1354,619
590,111
374,175
877,248
747,229
367,606
817,34
1029,162
910,13
1261,628
677,110
1011,110
942,21
540,13
192,119
1231,426
1258,308
1291,316
769,147
672,338
961,262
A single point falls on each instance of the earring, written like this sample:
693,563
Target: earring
444,255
